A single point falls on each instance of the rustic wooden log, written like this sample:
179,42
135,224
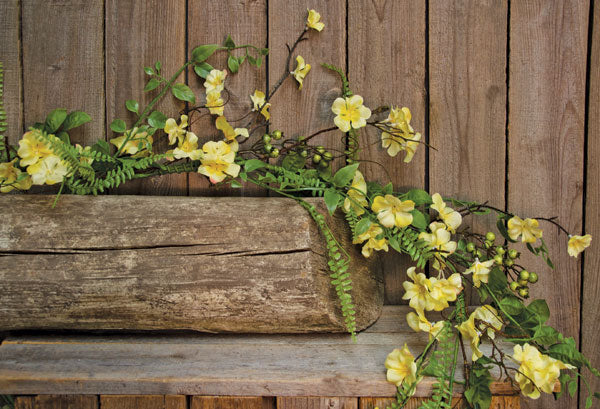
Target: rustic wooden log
211,264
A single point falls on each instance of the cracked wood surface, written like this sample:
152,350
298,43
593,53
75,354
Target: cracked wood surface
252,265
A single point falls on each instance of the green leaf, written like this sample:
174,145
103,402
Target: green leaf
64,137
75,119
497,281
118,126
132,105
241,59
292,161
567,352
388,189
203,69
251,60
158,66
419,196
235,184
202,52
152,84
259,62
546,335
149,70
264,51
332,199
589,401
419,220
183,93
540,309
573,387
157,119
229,42
500,224
101,146
254,164
512,305
362,226
233,64
55,119
345,175
478,392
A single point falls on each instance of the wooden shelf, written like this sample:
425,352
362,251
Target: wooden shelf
208,364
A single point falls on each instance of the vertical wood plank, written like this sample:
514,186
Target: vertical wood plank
317,402
548,44
143,402
63,46
57,402
467,82
230,402
386,61
590,326
139,33
210,23
10,56
303,112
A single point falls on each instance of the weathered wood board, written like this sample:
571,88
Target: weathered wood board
252,265
225,364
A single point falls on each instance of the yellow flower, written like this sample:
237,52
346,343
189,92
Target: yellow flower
356,193
444,290
401,366
215,81
484,320
301,70
80,150
451,217
49,171
215,103
230,133
528,229
217,161
578,243
313,20
258,100
350,112
469,332
537,372
481,271
439,239
418,292
420,323
402,137
372,243
31,149
140,143
392,211
188,148
10,177
176,132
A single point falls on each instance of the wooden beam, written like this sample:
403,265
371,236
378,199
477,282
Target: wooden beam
209,264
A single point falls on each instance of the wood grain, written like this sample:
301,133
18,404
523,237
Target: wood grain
498,402
548,44
10,56
63,44
57,402
143,402
231,402
590,325
316,402
386,65
303,112
467,82
139,33
196,364
209,22
93,269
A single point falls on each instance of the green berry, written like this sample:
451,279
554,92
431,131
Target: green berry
321,149
524,292
268,148
478,254
470,247
498,259
523,283
301,138
327,156
489,236
323,164
533,277
512,253
500,250
508,263
266,138
524,275
304,153
316,158
274,153
514,286
488,244
349,161
276,135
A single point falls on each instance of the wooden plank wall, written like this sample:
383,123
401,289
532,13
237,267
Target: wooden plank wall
508,91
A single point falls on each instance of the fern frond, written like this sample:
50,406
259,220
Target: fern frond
68,154
345,84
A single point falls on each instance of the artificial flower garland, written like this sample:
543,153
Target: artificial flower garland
378,216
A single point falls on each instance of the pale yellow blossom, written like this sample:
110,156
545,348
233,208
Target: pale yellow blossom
372,242
313,21
356,199
215,81
188,148
174,131
300,71
449,216
350,113
484,320
418,292
11,177
528,229
218,161
445,290
402,137
578,243
258,101
401,366
49,171
439,240
420,323
481,271
138,145
392,211
87,150
215,103
32,149
230,133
